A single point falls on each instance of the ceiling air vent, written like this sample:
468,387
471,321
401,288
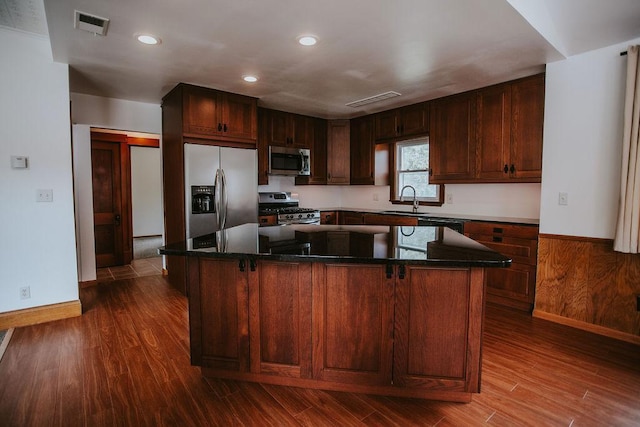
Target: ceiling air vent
91,23
372,99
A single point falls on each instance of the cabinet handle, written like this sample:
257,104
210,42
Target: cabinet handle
225,127
506,168
497,239
389,271
401,272
241,265
513,168
398,130
219,127
252,264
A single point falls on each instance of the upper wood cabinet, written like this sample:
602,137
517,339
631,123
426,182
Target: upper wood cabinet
489,135
288,129
527,119
509,131
318,155
402,123
218,115
362,151
452,139
338,150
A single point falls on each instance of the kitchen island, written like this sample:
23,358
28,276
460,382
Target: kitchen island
389,310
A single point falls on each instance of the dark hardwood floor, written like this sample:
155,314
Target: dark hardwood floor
126,362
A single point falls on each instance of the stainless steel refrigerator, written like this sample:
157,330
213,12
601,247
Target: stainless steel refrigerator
221,188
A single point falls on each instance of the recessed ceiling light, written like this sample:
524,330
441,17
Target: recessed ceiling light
250,79
148,39
307,40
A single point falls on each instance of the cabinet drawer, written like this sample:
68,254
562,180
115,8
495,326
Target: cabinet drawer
495,229
515,283
377,219
264,220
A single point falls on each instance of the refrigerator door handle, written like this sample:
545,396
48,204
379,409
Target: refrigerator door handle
224,201
217,198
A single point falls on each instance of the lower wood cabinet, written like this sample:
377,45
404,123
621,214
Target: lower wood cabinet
514,286
399,330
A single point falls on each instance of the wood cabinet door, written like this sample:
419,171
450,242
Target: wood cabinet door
348,218
278,131
280,319
514,286
302,131
452,139
494,133
362,147
202,112
239,117
219,334
338,150
386,125
438,309
414,120
527,118
352,324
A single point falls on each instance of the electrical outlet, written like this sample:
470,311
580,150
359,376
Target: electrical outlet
375,197
44,195
25,292
449,198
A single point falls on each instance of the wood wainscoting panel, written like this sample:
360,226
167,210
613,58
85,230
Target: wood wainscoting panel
584,280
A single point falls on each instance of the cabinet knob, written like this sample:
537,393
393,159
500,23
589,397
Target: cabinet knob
513,168
219,127
224,127
506,168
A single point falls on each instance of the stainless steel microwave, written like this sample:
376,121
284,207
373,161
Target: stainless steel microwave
289,161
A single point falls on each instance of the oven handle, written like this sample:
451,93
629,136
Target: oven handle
300,221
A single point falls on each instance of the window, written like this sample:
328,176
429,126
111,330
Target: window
412,169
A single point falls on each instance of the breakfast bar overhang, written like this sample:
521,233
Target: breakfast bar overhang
385,310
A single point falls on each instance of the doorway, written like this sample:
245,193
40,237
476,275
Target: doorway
111,171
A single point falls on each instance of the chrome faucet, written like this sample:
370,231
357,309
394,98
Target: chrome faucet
415,199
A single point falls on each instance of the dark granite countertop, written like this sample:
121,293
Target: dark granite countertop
421,245
461,217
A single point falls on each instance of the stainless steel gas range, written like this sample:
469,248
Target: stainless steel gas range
286,207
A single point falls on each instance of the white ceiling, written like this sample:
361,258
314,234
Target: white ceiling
423,49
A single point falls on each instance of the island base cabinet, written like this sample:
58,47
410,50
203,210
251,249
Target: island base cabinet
395,330
353,324
280,319
438,329
218,314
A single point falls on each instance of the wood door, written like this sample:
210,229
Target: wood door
280,319
219,334
303,131
338,150
278,132
362,151
527,118
414,120
386,125
452,139
494,133
239,117
202,112
107,203
438,309
353,324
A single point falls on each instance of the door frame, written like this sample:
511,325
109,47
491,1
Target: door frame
125,142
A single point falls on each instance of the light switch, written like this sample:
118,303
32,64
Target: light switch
19,162
563,199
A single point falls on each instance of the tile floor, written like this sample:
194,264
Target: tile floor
137,268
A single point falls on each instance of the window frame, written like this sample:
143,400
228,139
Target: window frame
394,195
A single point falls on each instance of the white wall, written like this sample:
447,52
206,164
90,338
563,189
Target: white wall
93,111
498,200
146,191
584,102
37,240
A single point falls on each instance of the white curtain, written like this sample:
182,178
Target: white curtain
628,227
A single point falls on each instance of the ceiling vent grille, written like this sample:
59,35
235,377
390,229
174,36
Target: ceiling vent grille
91,23
372,99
